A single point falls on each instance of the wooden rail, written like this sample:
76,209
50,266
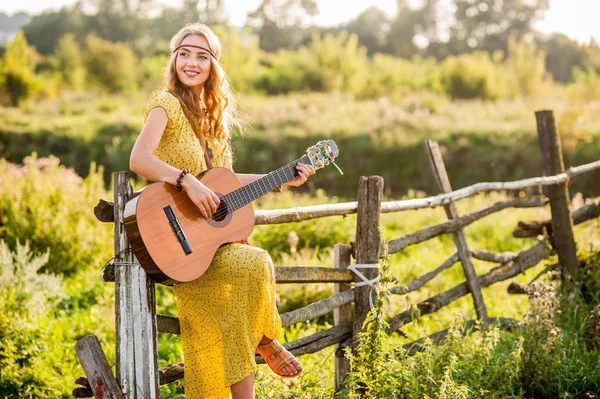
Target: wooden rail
137,323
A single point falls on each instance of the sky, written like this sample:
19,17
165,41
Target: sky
575,18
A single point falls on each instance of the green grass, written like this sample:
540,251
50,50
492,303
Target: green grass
480,140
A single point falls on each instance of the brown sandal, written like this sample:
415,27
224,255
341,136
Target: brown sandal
277,357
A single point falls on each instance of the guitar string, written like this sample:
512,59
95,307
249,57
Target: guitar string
224,211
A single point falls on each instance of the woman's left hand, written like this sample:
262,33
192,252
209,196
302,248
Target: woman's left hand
304,171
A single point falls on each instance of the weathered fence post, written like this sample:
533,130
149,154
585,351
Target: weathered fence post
96,367
443,183
137,355
563,240
368,243
341,260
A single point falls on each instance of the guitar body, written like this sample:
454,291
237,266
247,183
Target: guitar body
169,258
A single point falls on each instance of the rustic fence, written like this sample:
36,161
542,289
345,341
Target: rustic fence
137,324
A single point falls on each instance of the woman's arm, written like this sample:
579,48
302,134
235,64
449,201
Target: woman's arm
142,160
146,164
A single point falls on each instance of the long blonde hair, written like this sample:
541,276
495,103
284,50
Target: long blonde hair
217,94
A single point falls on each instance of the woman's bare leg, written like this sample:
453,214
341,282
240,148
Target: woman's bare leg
243,389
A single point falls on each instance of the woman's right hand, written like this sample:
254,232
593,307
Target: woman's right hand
202,196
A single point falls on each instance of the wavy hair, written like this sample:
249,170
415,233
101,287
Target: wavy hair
217,94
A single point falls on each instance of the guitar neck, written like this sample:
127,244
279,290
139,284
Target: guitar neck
248,193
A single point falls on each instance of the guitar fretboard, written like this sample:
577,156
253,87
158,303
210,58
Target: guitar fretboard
248,193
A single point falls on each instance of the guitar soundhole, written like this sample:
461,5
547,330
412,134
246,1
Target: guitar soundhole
221,212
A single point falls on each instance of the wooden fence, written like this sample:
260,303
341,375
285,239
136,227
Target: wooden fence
137,324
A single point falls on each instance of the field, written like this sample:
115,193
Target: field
47,207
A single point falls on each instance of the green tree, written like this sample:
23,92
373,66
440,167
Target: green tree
402,32
17,78
562,55
488,24
474,75
112,66
526,67
371,27
45,30
342,62
241,57
67,61
278,22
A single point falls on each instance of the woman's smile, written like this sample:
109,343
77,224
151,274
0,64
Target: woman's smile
191,74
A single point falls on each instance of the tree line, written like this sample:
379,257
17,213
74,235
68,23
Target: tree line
467,49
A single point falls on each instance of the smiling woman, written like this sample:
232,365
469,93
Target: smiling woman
228,313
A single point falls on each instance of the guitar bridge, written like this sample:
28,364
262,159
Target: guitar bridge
185,245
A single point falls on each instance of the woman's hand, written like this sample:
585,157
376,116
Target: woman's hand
202,196
304,171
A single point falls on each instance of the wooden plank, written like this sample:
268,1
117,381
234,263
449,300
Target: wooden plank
317,309
443,182
342,314
285,274
137,355
99,375
560,202
368,243
105,211
305,274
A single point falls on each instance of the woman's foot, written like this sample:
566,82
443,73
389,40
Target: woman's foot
282,362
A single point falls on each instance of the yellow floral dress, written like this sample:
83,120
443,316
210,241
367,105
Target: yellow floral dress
224,314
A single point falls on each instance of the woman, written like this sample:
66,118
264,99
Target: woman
229,312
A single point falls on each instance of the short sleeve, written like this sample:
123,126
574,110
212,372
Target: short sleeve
165,100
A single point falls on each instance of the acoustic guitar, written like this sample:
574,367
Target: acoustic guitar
171,239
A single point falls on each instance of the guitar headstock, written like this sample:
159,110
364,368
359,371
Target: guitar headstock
322,153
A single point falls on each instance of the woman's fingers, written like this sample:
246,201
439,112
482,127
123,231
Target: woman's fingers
307,169
213,204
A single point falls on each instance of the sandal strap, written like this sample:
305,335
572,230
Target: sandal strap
279,358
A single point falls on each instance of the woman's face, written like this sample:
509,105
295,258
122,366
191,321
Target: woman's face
193,64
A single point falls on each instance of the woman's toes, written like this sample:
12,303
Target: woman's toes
297,366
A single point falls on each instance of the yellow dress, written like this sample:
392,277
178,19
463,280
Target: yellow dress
224,314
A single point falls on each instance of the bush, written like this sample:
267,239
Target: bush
52,208
17,77
388,74
328,63
67,61
526,68
25,299
474,75
587,84
241,57
153,72
112,66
